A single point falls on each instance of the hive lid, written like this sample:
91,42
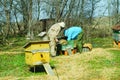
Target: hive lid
116,28
34,42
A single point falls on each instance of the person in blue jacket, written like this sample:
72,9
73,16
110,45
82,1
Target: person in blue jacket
75,33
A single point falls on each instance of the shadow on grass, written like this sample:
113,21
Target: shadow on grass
39,68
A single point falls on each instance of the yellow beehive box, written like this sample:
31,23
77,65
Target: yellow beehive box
37,52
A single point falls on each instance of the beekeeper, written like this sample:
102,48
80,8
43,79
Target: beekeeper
75,33
52,35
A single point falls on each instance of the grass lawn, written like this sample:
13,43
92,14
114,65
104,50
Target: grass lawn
97,65
102,42
14,65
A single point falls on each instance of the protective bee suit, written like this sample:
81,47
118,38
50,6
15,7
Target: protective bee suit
52,35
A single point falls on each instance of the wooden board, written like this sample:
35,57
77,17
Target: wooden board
48,69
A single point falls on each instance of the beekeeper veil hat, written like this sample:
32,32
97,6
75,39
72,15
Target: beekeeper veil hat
62,24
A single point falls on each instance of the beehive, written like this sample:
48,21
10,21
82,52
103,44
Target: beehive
116,37
37,52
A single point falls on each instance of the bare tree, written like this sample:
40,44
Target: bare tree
7,8
38,9
24,11
26,7
73,12
115,12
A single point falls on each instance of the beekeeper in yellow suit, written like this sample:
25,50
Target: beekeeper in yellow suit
52,35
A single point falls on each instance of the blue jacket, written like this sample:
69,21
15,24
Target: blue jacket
72,32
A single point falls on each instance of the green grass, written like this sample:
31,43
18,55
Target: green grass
10,64
98,64
14,65
19,42
116,58
116,63
102,42
14,44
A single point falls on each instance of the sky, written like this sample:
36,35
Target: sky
98,12
101,9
